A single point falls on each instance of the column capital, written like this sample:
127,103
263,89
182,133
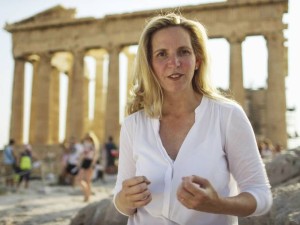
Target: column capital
97,54
111,49
20,58
236,38
79,52
32,58
275,37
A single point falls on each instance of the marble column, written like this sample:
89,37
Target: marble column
100,99
54,105
112,125
236,69
276,128
130,57
77,99
17,107
87,80
41,129
34,94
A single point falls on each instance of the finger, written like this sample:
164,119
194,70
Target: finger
147,181
140,196
137,199
202,182
135,180
183,193
143,196
142,202
185,198
137,189
192,185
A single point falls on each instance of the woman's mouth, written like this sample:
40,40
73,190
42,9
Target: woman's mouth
175,76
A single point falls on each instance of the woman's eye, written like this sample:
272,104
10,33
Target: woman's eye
161,54
184,52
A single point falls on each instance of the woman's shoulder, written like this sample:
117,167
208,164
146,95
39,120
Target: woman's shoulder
225,104
135,117
137,120
228,109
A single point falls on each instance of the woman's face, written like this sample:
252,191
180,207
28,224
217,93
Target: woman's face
173,59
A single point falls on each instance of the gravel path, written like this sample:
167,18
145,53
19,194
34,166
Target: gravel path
48,204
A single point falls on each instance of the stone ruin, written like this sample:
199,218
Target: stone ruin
56,42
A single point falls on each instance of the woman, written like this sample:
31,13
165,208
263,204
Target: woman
75,150
87,166
185,150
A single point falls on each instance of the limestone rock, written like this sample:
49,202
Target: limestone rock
99,213
284,175
285,209
284,167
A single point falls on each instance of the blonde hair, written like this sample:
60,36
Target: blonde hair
146,92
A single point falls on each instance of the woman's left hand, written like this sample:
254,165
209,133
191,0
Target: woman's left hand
197,193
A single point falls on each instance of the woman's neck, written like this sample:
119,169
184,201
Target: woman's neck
177,105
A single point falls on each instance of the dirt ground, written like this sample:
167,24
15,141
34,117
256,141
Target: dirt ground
48,204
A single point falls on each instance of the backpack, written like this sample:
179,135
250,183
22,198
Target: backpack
25,163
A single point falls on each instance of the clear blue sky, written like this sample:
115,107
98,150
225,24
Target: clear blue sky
16,10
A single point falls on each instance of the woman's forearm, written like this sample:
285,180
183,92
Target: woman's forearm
241,205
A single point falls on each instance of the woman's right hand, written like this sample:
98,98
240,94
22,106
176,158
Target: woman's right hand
134,194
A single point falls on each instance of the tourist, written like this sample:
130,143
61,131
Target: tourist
10,162
188,155
73,162
111,151
88,162
25,166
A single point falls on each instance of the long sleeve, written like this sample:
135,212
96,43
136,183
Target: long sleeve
244,160
126,167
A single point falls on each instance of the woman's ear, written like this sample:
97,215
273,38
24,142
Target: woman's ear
197,64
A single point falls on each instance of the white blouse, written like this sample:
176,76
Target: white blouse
220,147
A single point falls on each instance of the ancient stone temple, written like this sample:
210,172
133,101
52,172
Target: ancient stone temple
56,42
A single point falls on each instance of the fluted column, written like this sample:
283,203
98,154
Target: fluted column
77,98
130,57
112,126
276,100
33,106
100,99
17,107
236,69
54,105
87,79
41,129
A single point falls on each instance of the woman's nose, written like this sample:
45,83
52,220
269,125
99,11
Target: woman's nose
174,61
